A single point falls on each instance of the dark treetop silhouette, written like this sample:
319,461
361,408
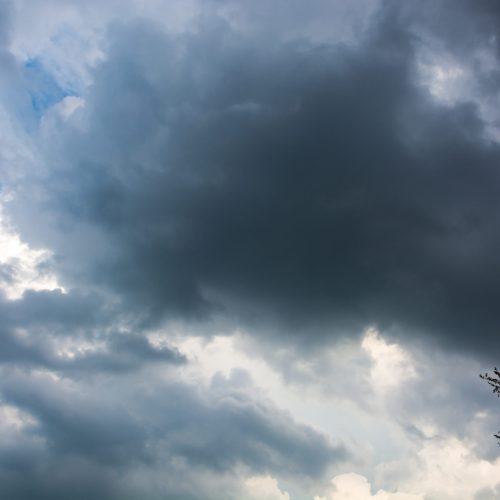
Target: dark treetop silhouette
494,381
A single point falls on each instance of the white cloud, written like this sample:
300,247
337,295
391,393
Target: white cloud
22,267
353,486
405,446
452,79
13,419
444,80
264,488
449,469
392,365
69,105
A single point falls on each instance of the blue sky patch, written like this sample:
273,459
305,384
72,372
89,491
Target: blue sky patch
42,87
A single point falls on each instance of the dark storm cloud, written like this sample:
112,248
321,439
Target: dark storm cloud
460,25
316,186
35,326
166,427
463,33
92,420
54,309
304,187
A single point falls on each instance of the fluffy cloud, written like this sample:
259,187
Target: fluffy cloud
392,366
356,487
21,267
450,469
265,488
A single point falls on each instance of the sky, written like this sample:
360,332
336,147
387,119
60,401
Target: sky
249,249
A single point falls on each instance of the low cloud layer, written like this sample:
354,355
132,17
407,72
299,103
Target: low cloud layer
108,426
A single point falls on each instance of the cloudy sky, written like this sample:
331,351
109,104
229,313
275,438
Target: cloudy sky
249,250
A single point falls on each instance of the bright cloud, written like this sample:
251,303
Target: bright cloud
392,365
21,267
449,469
265,488
353,486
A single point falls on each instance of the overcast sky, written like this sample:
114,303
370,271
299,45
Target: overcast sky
249,250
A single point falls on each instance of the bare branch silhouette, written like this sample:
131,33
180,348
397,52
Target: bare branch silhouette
493,381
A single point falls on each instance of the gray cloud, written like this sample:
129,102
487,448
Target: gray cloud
295,186
488,494
319,187
37,326
167,427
